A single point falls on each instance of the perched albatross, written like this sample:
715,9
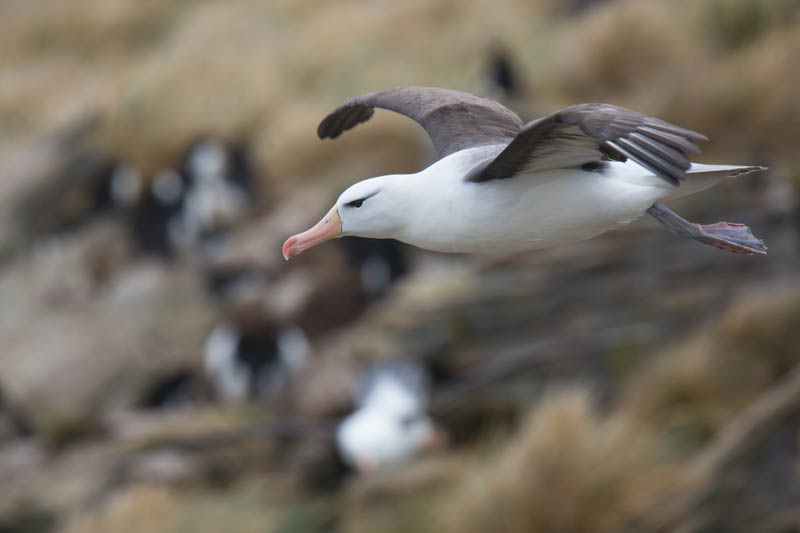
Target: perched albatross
501,185
391,424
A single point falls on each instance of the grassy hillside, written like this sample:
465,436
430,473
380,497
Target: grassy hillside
162,73
635,382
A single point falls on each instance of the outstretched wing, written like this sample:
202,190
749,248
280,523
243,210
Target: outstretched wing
585,133
454,120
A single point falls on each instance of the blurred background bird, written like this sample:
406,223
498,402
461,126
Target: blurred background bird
390,424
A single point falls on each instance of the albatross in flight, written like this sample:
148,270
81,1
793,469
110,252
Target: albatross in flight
501,185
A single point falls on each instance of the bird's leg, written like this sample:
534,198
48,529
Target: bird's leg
735,238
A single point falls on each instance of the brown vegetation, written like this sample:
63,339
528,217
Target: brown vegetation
604,387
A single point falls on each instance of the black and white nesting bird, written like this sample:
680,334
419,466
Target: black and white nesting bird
219,188
253,364
208,191
501,185
390,424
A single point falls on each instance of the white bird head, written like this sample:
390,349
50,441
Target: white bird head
372,208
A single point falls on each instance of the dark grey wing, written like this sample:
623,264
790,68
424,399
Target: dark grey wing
585,133
454,120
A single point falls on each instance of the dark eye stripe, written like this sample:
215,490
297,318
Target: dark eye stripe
360,201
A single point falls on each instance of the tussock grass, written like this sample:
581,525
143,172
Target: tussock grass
163,73
570,468
626,51
735,23
695,388
248,508
567,469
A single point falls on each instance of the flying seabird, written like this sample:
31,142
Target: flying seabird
501,185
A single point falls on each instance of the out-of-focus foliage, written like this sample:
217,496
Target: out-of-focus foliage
162,72
634,382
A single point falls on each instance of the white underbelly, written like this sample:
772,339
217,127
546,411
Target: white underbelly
531,212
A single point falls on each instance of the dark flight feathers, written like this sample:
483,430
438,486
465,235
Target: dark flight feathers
568,138
454,120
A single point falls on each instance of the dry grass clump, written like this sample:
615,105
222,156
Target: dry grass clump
567,469
163,73
61,58
247,508
398,508
753,114
630,47
84,27
571,469
735,23
695,388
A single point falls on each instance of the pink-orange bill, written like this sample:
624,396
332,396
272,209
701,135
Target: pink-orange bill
329,227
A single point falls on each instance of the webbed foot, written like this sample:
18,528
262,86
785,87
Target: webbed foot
732,237
728,236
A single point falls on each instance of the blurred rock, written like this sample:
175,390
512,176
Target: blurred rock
28,517
236,284
178,388
312,460
52,177
69,480
20,458
75,193
162,467
13,421
105,327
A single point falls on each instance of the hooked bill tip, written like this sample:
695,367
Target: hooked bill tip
288,249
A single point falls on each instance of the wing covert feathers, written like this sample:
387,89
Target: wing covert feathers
588,132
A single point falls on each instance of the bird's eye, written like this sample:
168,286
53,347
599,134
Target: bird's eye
355,203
